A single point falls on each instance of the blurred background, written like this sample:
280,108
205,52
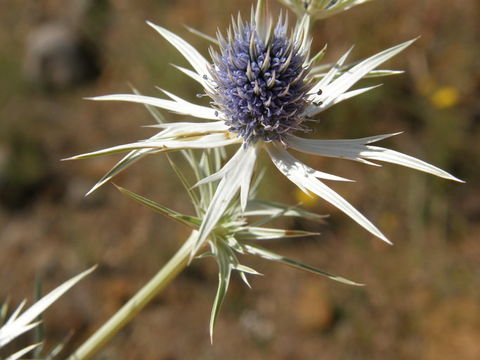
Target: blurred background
422,295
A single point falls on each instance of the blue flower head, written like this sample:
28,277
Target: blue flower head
264,85
260,83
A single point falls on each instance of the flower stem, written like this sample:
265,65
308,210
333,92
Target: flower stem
123,316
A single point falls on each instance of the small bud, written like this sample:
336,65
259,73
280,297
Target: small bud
320,9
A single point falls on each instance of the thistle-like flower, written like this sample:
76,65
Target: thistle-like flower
320,9
265,87
259,82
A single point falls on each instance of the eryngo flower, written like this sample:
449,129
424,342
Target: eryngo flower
259,82
320,9
264,87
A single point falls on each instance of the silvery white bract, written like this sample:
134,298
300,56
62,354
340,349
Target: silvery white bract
19,323
265,87
234,236
320,9
239,231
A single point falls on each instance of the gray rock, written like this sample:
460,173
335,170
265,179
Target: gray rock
59,58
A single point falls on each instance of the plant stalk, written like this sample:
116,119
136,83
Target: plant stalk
123,316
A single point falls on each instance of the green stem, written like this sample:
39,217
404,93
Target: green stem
123,316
